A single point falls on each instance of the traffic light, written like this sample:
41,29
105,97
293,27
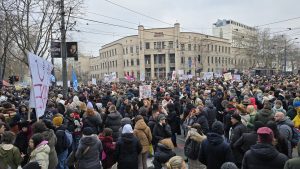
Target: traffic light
11,79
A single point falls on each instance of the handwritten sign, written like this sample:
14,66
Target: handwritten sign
227,76
145,91
40,73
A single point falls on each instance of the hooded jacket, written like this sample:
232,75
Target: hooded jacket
263,156
9,156
41,155
51,138
215,151
113,121
109,149
143,134
211,113
162,155
264,115
280,109
89,152
127,150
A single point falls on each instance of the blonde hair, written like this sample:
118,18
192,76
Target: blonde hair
175,162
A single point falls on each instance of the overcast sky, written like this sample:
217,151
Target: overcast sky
193,15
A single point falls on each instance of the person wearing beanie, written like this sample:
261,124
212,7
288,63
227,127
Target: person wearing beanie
161,129
22,140
128,148
230,110
244,143
296,120
263,155
62,143
89,150
215,150
229,165
57,121
108,148
265,114
295,162
113,121
236,131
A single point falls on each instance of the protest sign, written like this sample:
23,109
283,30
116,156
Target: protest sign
208,75
236,77
227,76
174,75
94,81
145,91
40,73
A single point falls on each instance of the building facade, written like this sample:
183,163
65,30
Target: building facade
155,53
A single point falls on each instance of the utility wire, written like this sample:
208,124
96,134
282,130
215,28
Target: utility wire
271,23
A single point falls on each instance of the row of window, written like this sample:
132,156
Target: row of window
108,53
131,62
97,76
217,48
105,65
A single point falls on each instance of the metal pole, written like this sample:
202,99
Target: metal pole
63,50
285,57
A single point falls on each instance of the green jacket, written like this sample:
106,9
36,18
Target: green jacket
10,156
292,163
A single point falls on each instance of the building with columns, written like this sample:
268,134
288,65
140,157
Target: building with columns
155,53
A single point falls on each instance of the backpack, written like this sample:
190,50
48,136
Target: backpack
66,139
69,138
191,149
295,138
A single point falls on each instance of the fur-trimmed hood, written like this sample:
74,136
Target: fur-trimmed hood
194,135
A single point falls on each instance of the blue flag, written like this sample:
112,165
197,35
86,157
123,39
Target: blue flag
74,79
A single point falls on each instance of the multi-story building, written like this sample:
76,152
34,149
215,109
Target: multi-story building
155,53
242,39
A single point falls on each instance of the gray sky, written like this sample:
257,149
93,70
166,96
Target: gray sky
193,15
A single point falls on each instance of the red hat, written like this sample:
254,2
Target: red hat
265,135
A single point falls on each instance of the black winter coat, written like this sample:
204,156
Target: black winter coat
161,132
113,121
162,155
237,131
127,150
264,115
227,122
202,120
244,143
215,151
263,156
174,122
211,113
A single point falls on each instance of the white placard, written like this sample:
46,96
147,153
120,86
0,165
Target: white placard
174,75
236,77
94,81
180,72
208,75
145,91
69,83
142,78
40,72
227,76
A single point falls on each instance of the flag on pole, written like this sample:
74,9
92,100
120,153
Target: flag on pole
74,79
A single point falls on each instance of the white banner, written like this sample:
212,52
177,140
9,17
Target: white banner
236,77
110,77
208,75
174,75
40,73
94,81
145,91
142,78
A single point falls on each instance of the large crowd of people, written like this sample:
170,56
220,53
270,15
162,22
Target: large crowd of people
250,124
